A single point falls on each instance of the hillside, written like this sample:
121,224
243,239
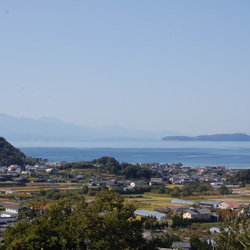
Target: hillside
216,137
11,155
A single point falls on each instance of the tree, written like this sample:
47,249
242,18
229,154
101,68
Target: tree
197,244
167,240
234,232
107,224
224,190
176,192
178,221
109,163
242,176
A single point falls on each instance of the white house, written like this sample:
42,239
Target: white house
230,205
12,210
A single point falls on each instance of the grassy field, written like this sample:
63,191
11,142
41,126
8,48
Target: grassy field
150,201
153,201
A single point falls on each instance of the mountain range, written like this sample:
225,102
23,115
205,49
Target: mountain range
49,130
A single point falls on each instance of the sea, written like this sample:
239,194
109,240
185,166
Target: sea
195,153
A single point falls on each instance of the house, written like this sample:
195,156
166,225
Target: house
230,205
12,210
181,209
6,221
211,204
10,192
40,209
175,179
80,177
40,179
21,179
138,183
181,245
43,169
203,214
156,181
12,173
13,167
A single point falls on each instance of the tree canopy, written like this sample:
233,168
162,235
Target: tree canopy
242,176
235,232
107,224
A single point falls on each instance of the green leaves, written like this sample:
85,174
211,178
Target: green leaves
107,224
234,232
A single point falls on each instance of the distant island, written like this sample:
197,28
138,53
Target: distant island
216,137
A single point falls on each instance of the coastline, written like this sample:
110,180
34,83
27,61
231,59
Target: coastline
231,157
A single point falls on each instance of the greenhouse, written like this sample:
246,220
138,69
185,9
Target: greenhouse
147,213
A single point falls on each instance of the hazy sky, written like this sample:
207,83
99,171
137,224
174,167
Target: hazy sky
157,65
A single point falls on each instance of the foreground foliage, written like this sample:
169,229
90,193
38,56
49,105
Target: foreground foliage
107,224
235,232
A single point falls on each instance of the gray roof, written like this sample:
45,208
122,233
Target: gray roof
156,179
192,212
156,214
209,203
199,211
181,244
177,201
181,209
204,211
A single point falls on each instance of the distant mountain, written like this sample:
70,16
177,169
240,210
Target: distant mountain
216,137
47,130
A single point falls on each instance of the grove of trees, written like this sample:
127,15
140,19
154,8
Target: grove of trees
107,224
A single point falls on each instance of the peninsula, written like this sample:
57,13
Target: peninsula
216,137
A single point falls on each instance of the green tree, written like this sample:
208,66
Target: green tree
107,224
197,244
234,232
242,176
224,190
178,221
176,192
167,240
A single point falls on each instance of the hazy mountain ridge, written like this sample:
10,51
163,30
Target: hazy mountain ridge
52,129
216,137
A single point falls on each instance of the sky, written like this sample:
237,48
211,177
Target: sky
154,65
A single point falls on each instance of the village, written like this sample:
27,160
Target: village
26,181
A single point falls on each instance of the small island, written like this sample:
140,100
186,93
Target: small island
216,137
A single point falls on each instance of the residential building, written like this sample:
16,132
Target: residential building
198,214
230,205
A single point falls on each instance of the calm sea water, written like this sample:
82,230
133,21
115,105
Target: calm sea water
229,154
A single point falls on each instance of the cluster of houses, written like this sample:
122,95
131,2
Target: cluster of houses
20,173
9,215
180,175
176,173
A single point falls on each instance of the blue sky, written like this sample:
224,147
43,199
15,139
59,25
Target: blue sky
155,65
